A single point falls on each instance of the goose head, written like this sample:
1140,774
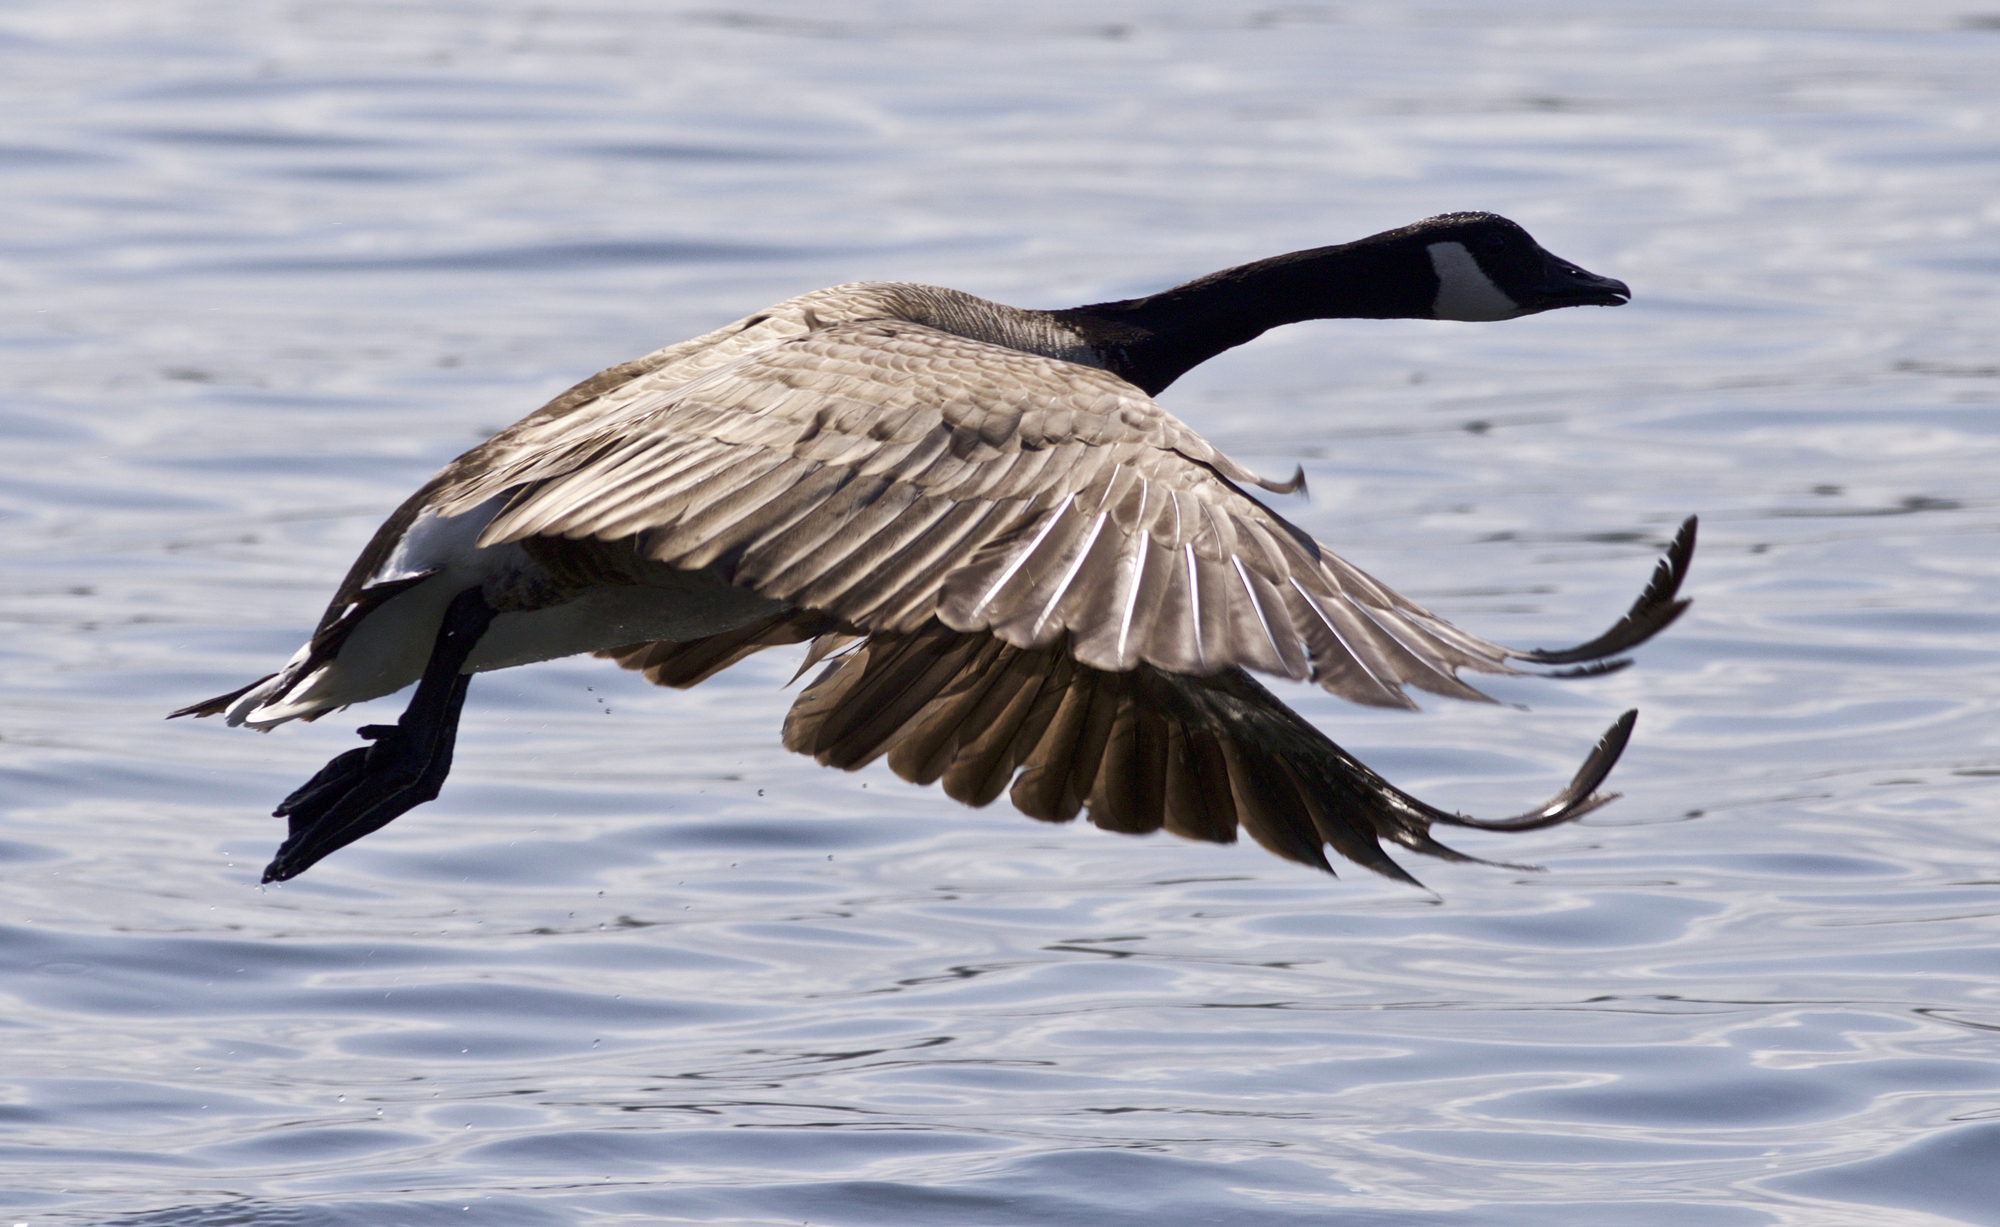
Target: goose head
1456,266
1488,268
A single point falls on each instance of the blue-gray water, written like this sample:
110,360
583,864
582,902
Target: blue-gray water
264,266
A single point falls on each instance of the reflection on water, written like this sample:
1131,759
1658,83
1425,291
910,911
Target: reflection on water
268,266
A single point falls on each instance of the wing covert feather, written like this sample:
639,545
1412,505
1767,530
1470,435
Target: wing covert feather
885,473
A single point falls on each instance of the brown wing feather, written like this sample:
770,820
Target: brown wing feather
1141,749
681,665
886,473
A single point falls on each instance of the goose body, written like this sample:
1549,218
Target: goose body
1043,580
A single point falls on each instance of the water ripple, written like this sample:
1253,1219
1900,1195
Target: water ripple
270,267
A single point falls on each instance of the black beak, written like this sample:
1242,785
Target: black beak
1563,284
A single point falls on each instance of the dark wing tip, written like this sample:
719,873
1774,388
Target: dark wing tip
1655,610
1295,484
1596,668
1578,797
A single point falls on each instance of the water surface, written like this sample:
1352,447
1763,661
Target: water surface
268,266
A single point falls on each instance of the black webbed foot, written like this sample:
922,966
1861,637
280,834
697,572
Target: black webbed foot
365,789
358,792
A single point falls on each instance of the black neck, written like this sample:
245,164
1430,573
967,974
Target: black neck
1153,341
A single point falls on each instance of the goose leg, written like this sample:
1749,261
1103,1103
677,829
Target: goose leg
364,789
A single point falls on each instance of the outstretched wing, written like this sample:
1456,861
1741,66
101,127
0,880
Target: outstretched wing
886,473
1143,750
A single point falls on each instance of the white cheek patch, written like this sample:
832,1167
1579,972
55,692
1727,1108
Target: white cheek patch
1465,292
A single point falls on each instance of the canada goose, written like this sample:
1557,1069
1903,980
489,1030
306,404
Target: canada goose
1043,579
